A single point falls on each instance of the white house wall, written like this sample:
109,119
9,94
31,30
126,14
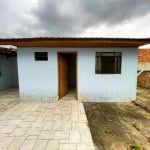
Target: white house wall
39,79
110,87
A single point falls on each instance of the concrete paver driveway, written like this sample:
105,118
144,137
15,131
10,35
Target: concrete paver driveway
41,125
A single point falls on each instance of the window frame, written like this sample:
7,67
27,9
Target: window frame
115,56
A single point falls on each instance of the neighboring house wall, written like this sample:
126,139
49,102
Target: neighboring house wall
7,72
144,59
39,79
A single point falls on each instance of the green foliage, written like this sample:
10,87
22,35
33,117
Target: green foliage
135,147
136,126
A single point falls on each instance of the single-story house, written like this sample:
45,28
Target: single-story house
93,69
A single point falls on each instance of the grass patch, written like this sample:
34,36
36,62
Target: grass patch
136,126
135,147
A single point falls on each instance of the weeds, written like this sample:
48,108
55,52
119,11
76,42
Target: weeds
135,147
136,126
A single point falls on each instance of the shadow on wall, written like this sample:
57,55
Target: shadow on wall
8,72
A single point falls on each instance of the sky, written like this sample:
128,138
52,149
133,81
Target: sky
74,18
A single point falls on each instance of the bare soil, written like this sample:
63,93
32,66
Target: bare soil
144,79
142,92
143,99
120,126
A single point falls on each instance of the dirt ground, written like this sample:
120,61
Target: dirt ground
121,126
141,92
144,79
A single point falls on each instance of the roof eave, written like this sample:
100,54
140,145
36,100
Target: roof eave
75,42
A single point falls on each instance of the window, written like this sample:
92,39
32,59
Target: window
41,56
108,63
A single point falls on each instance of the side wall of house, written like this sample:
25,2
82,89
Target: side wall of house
5,72
8,72
14,66
39,79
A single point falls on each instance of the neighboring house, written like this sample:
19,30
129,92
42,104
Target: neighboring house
8,67
94,69
144,58
144,66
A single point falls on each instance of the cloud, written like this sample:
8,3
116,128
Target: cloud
28,18
115,12
65,17
14,15
134,28
59,17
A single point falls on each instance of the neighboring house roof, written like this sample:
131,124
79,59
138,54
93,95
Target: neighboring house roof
147,46
75,42
8,50
12,47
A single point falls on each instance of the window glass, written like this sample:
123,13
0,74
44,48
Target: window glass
41,56
108,63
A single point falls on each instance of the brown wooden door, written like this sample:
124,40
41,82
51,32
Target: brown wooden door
63,75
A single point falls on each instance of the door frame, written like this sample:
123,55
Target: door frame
76,55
